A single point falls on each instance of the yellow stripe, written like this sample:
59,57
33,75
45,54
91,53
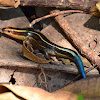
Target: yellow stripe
37,42
18,30
54,45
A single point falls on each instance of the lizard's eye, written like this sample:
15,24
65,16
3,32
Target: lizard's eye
8,31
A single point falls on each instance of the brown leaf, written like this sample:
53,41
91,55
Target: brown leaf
15,92
96,10
33,57
8,96
12,3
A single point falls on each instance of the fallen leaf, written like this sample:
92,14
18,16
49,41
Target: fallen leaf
98,6
11,3
15,92
28,54
96,10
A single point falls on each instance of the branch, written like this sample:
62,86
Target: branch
73,4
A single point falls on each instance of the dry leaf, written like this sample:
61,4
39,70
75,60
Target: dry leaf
98,6
8,96
33,57
12,3
96,10
15,92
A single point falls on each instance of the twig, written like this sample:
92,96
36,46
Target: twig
45,79
76,40
52,15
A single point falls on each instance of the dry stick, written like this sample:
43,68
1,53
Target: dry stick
52,15
45,79
76,40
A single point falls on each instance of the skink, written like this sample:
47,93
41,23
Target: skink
40,42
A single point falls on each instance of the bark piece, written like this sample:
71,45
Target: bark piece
73,4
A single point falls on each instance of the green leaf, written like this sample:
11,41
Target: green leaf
80,97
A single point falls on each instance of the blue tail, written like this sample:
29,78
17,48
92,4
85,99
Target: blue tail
80,65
